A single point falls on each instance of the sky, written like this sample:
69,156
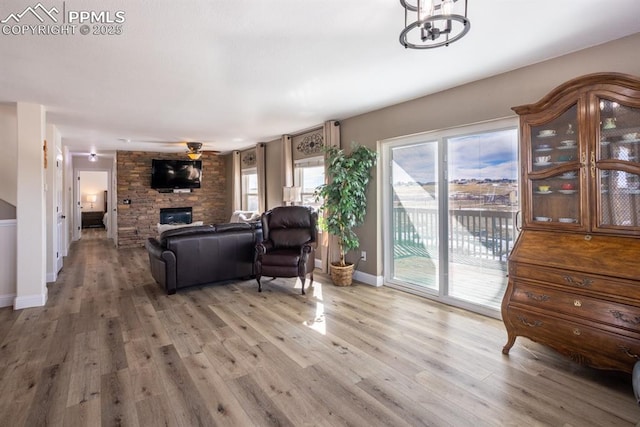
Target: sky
488,155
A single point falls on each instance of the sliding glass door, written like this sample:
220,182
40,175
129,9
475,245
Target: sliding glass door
483,202
449,213
414,214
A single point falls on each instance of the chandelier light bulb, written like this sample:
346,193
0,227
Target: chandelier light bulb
447,7
425,9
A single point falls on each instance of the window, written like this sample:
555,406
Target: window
250,190
308,175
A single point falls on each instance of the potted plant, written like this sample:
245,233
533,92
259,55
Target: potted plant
344,202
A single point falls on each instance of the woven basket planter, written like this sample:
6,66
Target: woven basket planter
341,276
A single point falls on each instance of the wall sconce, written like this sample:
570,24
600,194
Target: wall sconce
92,157
291,195
92,198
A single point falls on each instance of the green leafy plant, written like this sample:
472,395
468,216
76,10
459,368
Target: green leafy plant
344,198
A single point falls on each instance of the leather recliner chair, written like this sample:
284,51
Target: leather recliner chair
288,248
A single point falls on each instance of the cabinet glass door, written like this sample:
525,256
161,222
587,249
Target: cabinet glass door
554,172
555,143
617,166
557,199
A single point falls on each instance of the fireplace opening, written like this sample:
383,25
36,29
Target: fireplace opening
175,216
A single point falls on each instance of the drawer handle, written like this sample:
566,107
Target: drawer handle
577,303
535,297
534,324
576,331
621,317
626,350
584,283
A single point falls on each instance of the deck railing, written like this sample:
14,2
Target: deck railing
473,233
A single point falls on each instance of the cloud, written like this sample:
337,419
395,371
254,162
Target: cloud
487,155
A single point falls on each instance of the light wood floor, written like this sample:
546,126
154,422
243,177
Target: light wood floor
111,348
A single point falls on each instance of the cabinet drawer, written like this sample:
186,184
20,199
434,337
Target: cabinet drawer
593,309
576,280
583,344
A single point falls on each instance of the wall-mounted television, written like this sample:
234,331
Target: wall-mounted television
175,174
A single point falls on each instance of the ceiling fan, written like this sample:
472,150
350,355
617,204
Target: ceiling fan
194,148
194,152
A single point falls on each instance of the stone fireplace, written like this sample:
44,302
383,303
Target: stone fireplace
176,215
139,219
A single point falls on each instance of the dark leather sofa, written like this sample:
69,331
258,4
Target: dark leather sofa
205,254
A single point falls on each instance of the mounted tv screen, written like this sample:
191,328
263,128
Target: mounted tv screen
166,174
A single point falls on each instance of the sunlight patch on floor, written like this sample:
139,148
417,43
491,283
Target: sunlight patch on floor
318,323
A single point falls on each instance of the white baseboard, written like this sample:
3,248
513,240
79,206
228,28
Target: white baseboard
30,301
368,279
52,277
7,300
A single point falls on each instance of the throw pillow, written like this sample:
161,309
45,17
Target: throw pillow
164,227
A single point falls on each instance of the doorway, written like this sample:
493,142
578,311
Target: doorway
92,203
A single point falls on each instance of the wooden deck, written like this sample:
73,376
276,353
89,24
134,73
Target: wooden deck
111,348
474,280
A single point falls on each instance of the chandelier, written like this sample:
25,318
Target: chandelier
437,23
194,152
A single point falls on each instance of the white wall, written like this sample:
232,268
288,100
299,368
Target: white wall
31,287
9,157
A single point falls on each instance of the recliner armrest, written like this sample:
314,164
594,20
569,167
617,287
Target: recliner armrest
263,247
305,250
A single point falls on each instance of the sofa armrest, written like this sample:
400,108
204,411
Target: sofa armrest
154,247
171,266
163,265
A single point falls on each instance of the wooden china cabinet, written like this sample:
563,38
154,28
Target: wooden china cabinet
574,272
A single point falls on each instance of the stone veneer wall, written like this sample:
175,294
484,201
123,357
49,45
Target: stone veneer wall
139,220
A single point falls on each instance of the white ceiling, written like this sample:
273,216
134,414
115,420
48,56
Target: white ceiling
233,73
